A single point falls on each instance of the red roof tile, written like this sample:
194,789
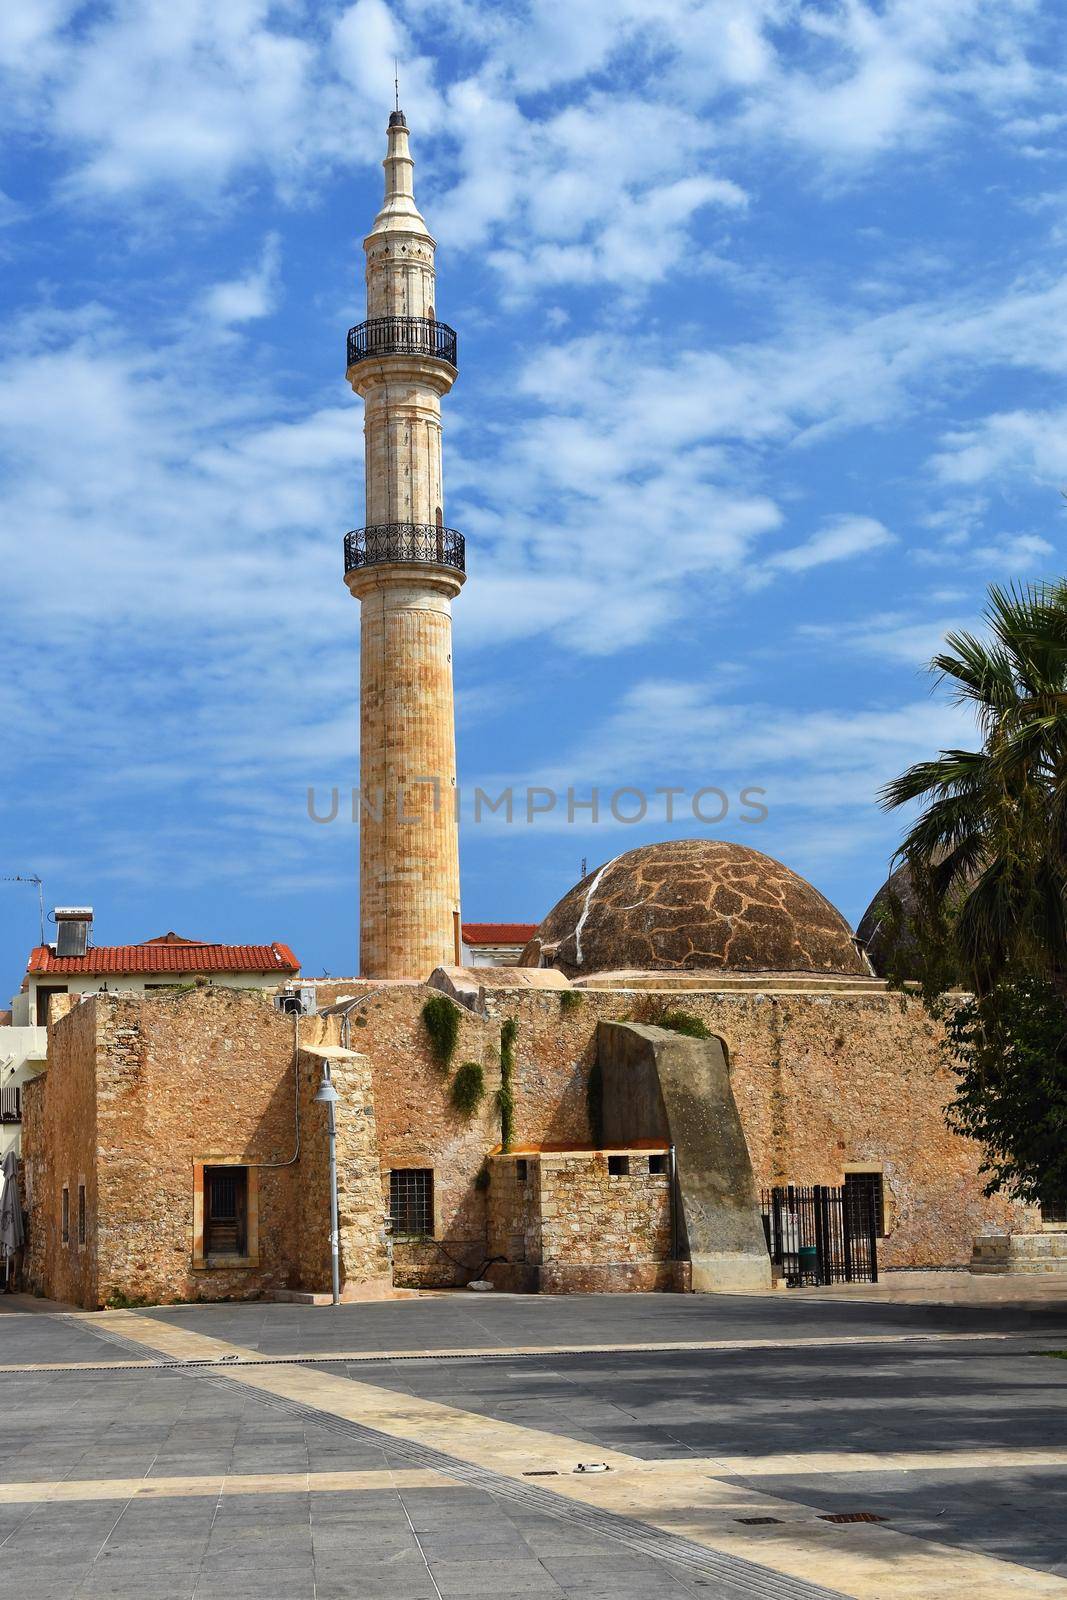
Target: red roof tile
122,960
498,932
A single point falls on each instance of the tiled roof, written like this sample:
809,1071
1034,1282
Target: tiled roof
123,960
498,932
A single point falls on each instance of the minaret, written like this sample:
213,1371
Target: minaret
405,567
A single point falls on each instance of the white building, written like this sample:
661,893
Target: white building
74,965
495,944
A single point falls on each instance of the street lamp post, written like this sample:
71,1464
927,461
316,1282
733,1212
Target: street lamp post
327,1095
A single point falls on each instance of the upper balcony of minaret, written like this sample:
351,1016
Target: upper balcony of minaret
402,338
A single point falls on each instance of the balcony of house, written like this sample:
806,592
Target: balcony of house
416,543
11,1103
401,336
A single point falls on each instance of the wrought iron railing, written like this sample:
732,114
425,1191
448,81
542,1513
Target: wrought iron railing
11,1103
401,336
404,541
819,1234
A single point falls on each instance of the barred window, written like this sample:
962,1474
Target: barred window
66,1214
865,1194
1054,1210
81,1213
411,1201
225,1211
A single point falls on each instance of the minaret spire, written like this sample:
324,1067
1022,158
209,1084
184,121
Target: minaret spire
405,568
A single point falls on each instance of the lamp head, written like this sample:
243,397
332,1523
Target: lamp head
325,1094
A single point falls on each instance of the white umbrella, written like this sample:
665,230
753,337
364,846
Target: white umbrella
12,1228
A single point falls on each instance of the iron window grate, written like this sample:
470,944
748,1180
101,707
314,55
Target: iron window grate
411,1201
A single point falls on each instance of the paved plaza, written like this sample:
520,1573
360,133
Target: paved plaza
428,1449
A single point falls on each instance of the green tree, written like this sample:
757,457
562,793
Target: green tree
986,875
991,840
1010,1053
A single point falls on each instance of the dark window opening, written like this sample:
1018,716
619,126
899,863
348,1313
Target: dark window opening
43,996
81,1213
66,1216
411,1201
1054,1210
225,1211
521,1171
619,1166
864,1195
657,1166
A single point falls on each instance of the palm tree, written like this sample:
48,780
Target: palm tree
992,837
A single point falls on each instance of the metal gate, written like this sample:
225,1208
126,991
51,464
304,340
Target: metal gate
820,1235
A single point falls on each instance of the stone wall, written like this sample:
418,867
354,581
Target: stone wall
574,1226
823,1079
179,1080
418,1127
58,1148
589,1214
365,1265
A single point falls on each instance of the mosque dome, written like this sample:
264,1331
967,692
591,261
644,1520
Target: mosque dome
896,900
691,905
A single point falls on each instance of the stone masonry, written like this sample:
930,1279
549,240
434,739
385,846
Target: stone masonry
563,1222
139,1094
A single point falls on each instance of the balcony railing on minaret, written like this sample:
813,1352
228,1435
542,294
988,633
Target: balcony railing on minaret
404,542
401,336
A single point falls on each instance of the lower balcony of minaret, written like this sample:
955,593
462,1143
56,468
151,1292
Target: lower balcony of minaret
420,544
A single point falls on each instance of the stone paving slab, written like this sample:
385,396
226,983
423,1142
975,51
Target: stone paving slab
467,1321
793,1417
690,1504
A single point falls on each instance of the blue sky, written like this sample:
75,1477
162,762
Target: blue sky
761,308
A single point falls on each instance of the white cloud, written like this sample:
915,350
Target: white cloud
896,637
840,540
1005,444
245,299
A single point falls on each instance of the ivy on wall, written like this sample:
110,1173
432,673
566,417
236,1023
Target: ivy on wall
468,1088
505,1098
441,1021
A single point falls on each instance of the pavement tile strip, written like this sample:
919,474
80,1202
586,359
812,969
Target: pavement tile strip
686,1515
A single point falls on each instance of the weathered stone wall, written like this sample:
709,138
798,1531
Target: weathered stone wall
514,1211
823,1080
573,1226
589,1214
59,1122
363,1237
417,1125
181,1079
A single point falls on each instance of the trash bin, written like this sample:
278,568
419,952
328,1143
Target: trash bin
808,1262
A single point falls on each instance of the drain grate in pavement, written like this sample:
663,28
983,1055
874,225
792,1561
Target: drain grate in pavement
735,1578
758,1522
851,1516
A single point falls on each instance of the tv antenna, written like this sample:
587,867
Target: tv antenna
28,877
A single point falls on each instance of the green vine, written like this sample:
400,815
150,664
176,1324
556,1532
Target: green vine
441,1021
569,1000
468,1088
505,1098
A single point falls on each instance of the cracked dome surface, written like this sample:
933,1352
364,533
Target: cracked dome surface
693,904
